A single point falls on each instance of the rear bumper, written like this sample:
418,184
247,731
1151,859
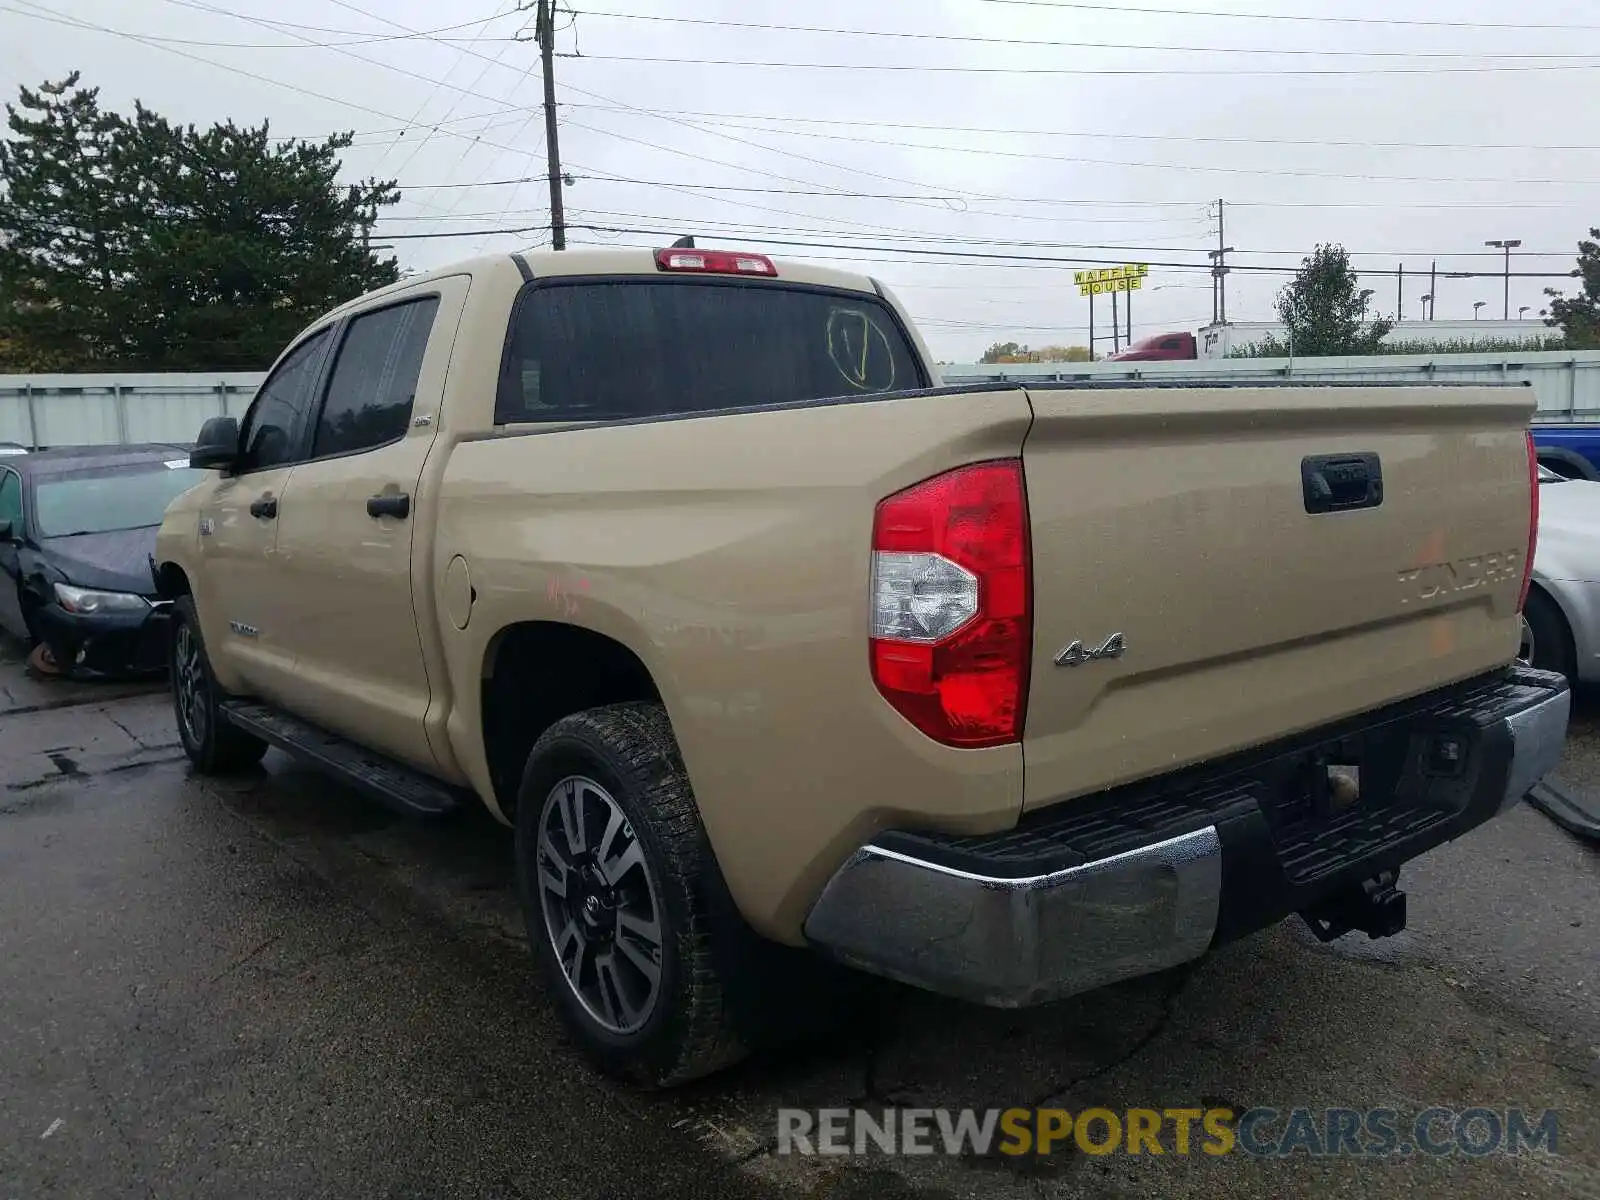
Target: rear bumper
1146,877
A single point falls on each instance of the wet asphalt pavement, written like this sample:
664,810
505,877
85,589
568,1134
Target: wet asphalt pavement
273,988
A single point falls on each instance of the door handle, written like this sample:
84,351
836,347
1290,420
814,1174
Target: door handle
266,507
389,504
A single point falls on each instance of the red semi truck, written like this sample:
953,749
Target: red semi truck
1158,348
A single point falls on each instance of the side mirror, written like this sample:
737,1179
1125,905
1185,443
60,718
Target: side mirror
217,447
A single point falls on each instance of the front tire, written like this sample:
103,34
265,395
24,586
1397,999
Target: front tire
623,902
1546,637
214,746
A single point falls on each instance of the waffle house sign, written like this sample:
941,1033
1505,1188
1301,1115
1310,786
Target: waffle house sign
1127,278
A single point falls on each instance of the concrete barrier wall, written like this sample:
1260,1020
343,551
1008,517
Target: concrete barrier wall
63,410
83,410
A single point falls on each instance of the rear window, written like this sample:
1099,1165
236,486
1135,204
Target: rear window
645,348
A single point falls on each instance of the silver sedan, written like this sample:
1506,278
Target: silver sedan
1561,623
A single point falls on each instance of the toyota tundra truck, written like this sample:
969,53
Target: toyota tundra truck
769,647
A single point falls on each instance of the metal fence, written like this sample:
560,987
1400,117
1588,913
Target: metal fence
91,410
72,410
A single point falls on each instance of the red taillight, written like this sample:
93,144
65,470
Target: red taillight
715,262
1533,521
952,623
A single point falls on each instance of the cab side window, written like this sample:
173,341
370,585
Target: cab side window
11,501
275,425
374,378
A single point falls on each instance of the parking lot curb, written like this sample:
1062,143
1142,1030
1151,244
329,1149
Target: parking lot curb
1572,809
81,699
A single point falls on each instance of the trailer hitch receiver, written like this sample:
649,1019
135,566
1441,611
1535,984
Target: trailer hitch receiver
1374,906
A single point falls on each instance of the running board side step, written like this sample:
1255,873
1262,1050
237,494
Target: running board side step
391,783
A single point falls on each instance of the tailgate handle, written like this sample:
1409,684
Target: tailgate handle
1339,482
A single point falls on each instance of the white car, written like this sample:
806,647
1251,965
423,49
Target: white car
1561,623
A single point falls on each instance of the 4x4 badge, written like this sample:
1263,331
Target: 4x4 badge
1074,654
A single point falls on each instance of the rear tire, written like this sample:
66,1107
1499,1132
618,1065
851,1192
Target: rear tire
654,973
214,746
1547,639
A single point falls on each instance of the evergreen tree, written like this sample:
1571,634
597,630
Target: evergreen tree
1579,317
1325,310
135,244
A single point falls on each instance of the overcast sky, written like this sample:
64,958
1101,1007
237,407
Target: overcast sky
1092,133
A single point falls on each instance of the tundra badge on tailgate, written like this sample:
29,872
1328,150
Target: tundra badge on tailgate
1074,654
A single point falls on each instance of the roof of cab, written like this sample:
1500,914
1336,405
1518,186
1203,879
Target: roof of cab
545,264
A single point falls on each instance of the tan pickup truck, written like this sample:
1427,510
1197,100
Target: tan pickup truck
686,565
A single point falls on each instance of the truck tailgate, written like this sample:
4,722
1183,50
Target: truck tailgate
1177,518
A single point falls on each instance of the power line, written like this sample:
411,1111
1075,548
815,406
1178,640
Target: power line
745,228
838,166
1055,42
1486,206
731,118
773,175
1247,16
957,206
359,38
727,137
740,121
937,254
435,84
465,233
1034,155
623,137
72,22
455,102
1098,72
752,229
75,23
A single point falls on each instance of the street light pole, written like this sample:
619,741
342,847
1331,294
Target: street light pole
1508,245
1476,305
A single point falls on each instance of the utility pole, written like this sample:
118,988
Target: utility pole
1091,326
1219,271
1433,287
1508,245
544,32
1116,326
1400,294
1129,303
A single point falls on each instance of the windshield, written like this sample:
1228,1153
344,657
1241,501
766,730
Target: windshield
1546,475
121,498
